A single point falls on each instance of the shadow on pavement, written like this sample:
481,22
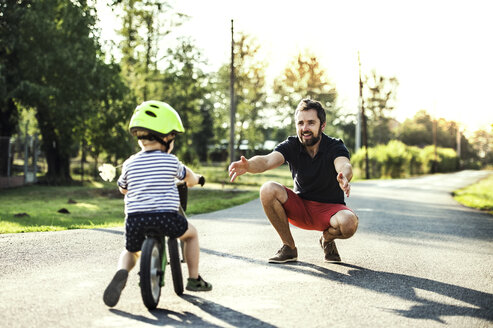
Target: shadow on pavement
226,314
167,318
177,319
404,286
395,284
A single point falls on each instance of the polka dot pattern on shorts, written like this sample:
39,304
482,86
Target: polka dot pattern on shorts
169,224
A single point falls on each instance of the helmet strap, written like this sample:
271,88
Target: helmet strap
153,137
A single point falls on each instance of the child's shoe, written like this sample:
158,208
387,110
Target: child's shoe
198,285
114,289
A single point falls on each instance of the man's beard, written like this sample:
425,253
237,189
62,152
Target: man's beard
313,140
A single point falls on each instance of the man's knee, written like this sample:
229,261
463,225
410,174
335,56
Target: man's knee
348,223
273,191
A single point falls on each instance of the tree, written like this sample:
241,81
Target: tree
250,94
482,143
304,77
106,130
145,24
11,13
184,86
380,94
60,65
418,131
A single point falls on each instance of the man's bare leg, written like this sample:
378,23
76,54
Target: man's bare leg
272,196
343,225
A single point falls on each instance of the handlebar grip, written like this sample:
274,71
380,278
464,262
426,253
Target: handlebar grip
201,180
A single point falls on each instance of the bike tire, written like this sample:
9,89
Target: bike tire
175,264
151,272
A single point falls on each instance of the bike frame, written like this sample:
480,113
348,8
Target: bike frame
152,271
164,262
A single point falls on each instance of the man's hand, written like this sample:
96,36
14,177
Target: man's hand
344,183
238,168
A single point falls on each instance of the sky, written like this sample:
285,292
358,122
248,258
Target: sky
441,52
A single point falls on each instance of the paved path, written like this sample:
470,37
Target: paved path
418,259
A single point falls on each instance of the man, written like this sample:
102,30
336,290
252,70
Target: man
321,171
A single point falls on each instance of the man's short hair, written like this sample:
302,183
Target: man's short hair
307,104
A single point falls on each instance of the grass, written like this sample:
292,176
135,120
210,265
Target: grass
478,195
100,205
95,205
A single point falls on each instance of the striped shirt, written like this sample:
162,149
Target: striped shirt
149,177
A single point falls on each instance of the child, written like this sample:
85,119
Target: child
151,195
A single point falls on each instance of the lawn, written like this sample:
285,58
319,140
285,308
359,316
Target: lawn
478,195
98,204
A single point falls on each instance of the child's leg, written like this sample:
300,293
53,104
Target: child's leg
191,250
128,260
125,264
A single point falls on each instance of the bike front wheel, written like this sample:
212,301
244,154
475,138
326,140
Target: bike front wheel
175,264
151,272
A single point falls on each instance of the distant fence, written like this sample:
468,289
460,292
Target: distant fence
19,160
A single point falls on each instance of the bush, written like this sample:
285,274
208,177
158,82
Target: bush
446,159
397,160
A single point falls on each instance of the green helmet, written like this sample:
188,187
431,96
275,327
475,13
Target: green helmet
156,116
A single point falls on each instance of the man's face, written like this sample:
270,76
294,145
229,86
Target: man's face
308,127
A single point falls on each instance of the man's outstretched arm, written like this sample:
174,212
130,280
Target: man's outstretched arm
344,173
256,164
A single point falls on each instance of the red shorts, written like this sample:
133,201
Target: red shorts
308,214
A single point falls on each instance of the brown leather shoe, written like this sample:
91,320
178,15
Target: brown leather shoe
330,250
285,254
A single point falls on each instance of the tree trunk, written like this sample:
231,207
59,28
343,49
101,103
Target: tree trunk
57,159
8,125
4,158
58,167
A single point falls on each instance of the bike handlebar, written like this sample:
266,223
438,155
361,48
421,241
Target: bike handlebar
201,180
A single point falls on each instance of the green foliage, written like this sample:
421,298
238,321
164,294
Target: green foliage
62,76
478,195
422,130
184,85
145,24
11,13
446,159
379,97
250,93
417,131
397,160
303,78
482,143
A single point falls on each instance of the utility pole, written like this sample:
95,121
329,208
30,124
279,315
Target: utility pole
458,140
232,100
363,116
434,168
357,137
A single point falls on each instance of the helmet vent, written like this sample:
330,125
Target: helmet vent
148,112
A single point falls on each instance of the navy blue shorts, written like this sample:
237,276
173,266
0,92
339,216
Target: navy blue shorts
169,224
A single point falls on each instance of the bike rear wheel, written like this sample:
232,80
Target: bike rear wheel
151,272
175,264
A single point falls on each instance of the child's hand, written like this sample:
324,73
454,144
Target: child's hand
201,180
107,172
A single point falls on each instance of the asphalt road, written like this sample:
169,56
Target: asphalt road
418,259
